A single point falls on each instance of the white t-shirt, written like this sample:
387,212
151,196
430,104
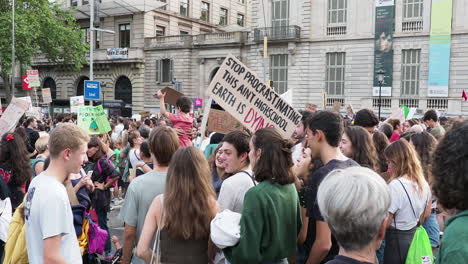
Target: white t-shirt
400,205
134,156
117,131
233,191
48,214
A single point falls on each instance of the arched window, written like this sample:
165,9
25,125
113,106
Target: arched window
213,73
50,83
80,85
123,91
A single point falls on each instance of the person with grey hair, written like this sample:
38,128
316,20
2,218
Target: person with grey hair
354,202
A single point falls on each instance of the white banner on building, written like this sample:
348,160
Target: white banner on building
117,53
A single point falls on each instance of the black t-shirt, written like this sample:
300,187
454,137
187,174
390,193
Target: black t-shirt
312,209
140,172
33,136
345,260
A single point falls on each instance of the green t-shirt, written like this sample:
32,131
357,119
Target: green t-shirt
454,245
139,196
270,223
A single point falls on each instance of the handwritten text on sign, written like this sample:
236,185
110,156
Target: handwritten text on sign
241,93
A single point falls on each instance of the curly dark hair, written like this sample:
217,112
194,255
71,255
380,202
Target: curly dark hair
363,147
13,151
424,143
450,169
366,118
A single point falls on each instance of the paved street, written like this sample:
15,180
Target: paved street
116,226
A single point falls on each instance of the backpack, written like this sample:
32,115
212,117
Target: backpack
420,250
16,251
97,237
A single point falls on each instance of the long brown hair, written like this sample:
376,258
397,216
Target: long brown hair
425,144
188,196
363,147
275,160
96,142
380,143
406,162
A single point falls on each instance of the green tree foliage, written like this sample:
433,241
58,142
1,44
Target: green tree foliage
40,26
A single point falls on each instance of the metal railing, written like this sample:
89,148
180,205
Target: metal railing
331,101
409,26
336,30
385,103
277,33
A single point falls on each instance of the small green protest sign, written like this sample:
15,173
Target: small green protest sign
93,120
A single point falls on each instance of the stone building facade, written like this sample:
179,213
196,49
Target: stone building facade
307,38
141,30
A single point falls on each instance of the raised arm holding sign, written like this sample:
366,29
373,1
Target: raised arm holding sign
247,98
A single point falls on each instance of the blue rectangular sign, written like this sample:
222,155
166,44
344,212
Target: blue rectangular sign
92,90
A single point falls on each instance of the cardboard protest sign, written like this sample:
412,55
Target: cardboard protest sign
337,107
222,122
12,114
240,91
311,107
46,96
34,112
33,78
349,110
76,102
171,95
93,120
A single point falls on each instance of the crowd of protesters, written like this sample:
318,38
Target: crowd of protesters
338,191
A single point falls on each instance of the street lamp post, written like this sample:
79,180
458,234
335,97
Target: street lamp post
380,78
13,48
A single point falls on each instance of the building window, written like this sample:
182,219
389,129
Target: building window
85,35
223,17
412,15
335,75
74,2
410,65
164,71
184,33
336,23
85,2
240,19
184,7
160,31
279,72
97,38
280,14
241,1
124,35
205,12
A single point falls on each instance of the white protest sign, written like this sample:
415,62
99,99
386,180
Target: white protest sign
34,112
76,102
12,114
239,91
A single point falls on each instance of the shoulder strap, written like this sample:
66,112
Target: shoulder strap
412,208
251,177
155,255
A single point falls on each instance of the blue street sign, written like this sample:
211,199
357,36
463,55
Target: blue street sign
92,90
